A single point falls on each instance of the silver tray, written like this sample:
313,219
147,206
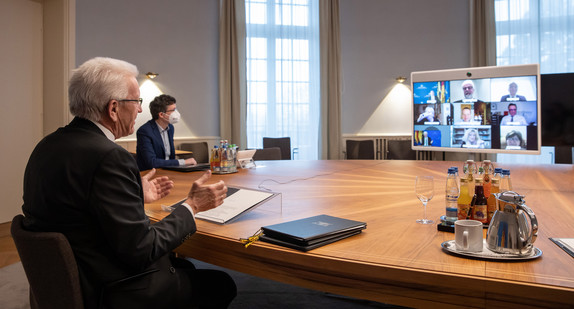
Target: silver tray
486,254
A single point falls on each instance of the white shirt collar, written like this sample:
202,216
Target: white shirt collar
161,130
106,131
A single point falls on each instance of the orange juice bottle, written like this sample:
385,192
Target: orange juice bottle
464,199
491,200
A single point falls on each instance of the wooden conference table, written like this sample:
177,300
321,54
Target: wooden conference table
395,260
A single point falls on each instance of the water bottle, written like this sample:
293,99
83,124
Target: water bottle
451,197
505,184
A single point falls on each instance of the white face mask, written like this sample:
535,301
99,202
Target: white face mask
174,117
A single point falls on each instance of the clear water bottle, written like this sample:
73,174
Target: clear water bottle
451,196
505,184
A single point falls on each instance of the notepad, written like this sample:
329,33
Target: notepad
567,244
241,201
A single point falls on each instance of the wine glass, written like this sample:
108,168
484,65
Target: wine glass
424,189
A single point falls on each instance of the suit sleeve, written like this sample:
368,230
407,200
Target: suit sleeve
116,197
146,154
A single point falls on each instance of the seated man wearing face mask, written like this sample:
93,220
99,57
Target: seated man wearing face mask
155,138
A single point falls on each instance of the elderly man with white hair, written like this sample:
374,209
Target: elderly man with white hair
80,183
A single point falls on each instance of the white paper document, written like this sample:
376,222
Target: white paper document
567,244
235,204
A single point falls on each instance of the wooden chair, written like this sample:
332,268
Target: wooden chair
200,151
50,267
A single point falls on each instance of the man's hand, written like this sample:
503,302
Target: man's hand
190,161
203,197
156,188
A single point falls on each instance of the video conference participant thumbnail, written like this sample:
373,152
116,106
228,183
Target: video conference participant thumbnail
427,138
513,118
470,91
432,114
472,137
514,138
431,92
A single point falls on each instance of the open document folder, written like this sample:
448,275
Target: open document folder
237,202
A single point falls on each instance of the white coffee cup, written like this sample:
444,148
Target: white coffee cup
468,235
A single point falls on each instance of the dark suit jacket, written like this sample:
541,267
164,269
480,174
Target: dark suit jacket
79,183
150,150
506,97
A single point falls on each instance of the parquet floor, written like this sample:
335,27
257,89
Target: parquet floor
8,253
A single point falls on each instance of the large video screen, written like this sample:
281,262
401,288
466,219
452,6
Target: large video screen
484,109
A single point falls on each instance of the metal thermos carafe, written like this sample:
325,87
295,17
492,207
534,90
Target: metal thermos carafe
514,227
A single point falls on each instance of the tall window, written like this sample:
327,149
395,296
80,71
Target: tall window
283,73
536,31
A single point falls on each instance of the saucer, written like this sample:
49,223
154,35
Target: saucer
486,254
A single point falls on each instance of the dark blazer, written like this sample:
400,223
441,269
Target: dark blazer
506,97
79,183
150,151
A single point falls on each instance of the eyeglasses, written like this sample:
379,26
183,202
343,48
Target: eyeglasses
173,110
512,109
139,101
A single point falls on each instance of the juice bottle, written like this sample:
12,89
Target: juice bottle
491,200
479,209
488,171
469,170
464,200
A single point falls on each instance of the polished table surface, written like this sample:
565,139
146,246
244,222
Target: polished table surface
395,260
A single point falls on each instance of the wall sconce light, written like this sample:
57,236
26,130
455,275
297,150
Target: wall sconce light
151,75
401,79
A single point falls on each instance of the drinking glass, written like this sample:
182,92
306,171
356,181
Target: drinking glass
424,189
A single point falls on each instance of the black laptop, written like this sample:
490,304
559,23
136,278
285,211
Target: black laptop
310,233
188,168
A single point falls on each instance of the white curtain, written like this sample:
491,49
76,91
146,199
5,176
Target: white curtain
283,80
536,31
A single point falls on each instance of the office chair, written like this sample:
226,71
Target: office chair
200,151
400,150
282,142
273,153
50,267
360,150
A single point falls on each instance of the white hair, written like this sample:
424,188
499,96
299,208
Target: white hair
468,81
97,81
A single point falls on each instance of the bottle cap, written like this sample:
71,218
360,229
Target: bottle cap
505,172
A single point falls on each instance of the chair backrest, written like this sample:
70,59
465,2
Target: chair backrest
364,149
50,267
282,142
400,150
273,153
200,151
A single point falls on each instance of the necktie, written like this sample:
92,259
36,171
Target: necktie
511,118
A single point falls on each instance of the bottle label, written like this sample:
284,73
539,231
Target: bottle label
463,211
480,213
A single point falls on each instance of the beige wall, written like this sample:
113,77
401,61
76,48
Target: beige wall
21,86
28,29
